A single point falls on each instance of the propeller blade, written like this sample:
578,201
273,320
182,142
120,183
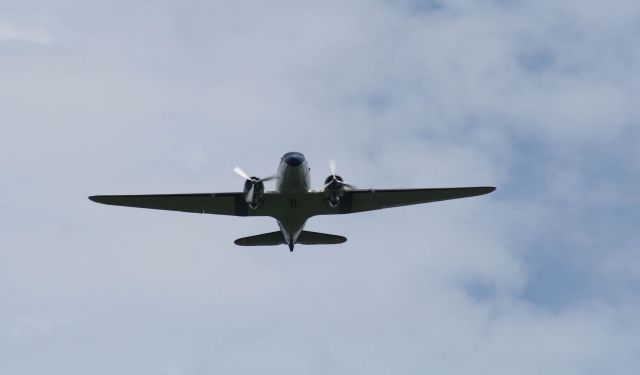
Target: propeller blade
332,167
268,178
242,173
346,184
249,197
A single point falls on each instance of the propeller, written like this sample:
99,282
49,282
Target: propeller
242,173
254,181
332,167
336,178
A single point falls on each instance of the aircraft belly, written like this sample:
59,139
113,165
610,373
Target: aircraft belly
291,228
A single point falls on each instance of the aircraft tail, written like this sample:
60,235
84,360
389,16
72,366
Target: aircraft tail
276,238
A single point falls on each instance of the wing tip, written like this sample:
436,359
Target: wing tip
485,190
96,198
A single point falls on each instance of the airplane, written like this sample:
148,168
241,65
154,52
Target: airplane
293,202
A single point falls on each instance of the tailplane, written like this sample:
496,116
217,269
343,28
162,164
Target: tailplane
276,238
315,238
265,239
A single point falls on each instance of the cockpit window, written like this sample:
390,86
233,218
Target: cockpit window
293,159
294,153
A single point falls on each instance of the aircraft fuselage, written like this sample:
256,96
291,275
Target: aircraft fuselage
292,180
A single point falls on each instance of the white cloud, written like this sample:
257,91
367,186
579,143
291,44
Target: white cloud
11,34
536,98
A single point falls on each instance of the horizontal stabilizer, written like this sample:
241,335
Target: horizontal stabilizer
265,239
315,238
276,238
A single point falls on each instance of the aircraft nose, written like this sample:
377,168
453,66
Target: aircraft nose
294,160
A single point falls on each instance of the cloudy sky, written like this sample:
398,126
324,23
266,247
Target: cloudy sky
537,98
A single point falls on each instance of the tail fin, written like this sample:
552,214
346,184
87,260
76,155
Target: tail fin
315,238
265,239
276,238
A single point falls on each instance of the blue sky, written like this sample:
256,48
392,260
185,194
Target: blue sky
537,98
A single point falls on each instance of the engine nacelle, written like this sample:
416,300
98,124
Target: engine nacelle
254,192
334,189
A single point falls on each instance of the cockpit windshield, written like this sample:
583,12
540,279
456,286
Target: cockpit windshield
293,159
293,153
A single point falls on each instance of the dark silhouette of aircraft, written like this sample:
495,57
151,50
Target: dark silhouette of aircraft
292,203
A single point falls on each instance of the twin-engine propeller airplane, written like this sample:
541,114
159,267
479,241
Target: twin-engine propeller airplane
292,203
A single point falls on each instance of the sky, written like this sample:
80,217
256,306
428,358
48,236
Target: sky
538,98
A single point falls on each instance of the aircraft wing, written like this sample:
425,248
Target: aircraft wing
276,205
368,200
232,204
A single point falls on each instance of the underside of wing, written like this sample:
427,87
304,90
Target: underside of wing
276,205
371,199
366,200
220,204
